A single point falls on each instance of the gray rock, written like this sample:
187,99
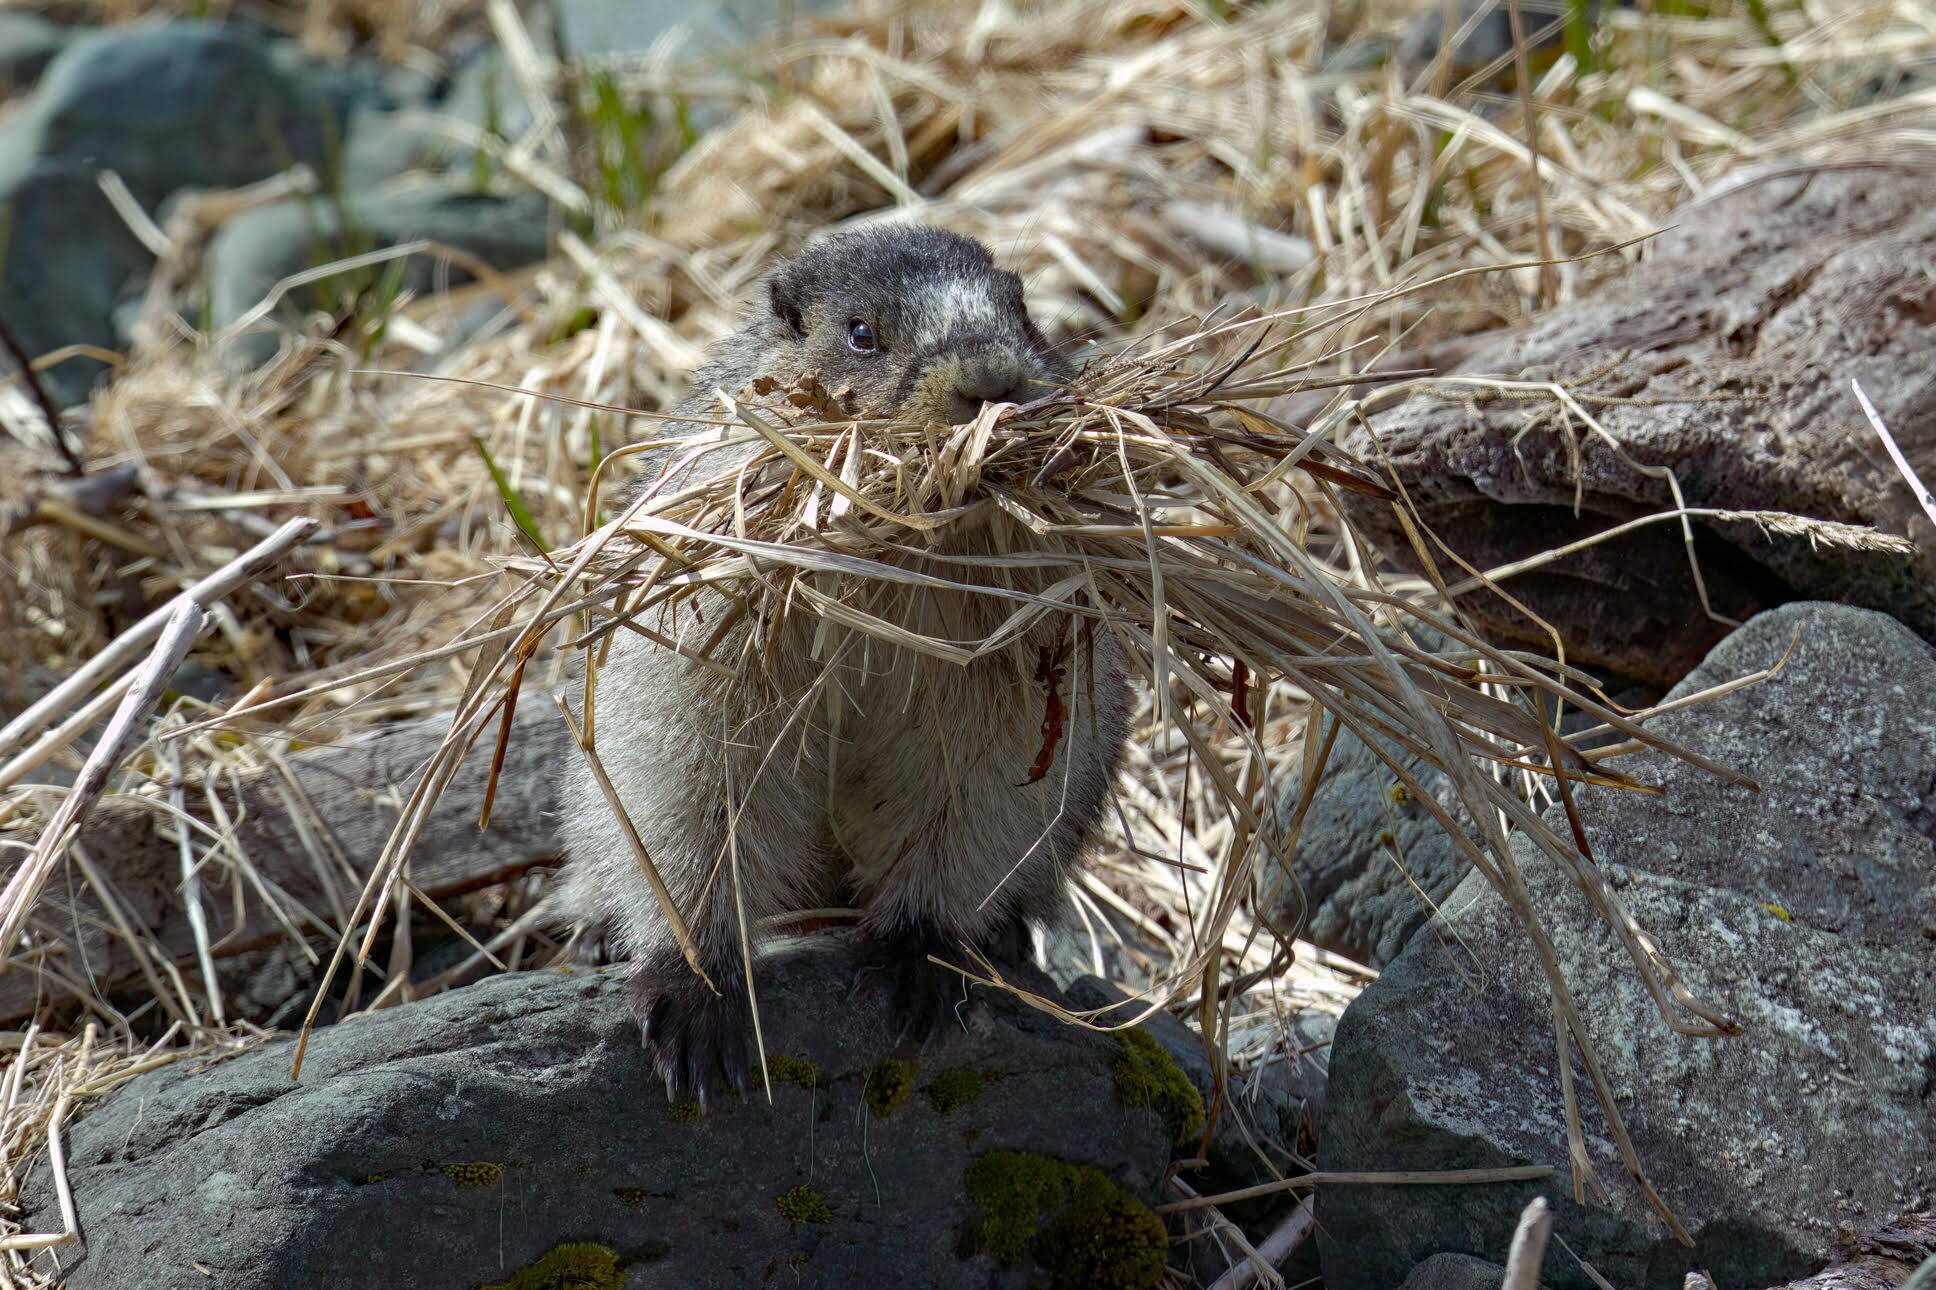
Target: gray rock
1271,1097
258,248
592,28
448,1143
1454,1272
1805,910
172,104
1726,357
1370,861
1264,1121
28,42
386,134
165,105
1487,33
1267,1110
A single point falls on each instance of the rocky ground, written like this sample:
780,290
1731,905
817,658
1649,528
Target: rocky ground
1771,1051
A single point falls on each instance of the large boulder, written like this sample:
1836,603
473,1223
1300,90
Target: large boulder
28,42
1726,358
1806,911
166,106
258,248
514,1124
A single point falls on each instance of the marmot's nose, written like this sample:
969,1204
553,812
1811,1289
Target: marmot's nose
991,383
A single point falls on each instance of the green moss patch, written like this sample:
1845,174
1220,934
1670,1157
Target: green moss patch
1078,1226
475,1173
803,1204
953,1089
1146,1076
567,1267
888,1086
793,1070
637,1196
685,1112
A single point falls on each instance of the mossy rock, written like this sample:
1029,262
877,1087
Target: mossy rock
1078,1226
784,1069
953,1089
1147,1076
475,1173
803,1204
888,1086
567,1267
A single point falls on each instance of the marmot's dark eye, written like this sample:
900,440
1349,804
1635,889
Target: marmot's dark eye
860,337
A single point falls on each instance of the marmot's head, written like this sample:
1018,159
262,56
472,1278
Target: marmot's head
917,322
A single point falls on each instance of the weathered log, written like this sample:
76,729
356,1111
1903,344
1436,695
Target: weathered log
1885,1258
311,835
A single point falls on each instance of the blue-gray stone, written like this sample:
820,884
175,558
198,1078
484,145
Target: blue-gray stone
166,105
28,42
1804,911
258,248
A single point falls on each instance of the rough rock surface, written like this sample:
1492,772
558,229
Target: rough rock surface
1806,911
1369,863
1262,1109
1454,1272
448,1143
352,789
1725,357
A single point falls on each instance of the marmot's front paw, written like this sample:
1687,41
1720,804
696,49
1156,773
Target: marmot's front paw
922,995
695,1038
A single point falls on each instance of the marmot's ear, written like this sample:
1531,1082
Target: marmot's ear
789,302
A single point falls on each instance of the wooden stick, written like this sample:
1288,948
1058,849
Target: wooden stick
1376,1178
244,569
1273,1249
65,733
1924,498
177,634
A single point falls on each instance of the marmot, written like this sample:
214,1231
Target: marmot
855,774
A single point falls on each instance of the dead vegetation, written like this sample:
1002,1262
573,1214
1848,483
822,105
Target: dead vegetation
1172,173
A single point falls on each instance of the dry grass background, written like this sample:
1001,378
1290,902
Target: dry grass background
1143,164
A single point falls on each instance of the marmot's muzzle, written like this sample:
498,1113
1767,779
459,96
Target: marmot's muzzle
953,389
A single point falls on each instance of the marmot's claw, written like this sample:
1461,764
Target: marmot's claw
694,1038
922,994
925,995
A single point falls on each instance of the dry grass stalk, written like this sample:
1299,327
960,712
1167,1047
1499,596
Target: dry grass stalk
1924,498
1528,1249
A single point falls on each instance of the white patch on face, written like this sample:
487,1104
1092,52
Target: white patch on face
957,305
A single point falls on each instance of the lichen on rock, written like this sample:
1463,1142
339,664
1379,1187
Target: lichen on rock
888,1086
475,1173
955,1088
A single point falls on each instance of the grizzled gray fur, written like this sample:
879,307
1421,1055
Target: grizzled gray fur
850,773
